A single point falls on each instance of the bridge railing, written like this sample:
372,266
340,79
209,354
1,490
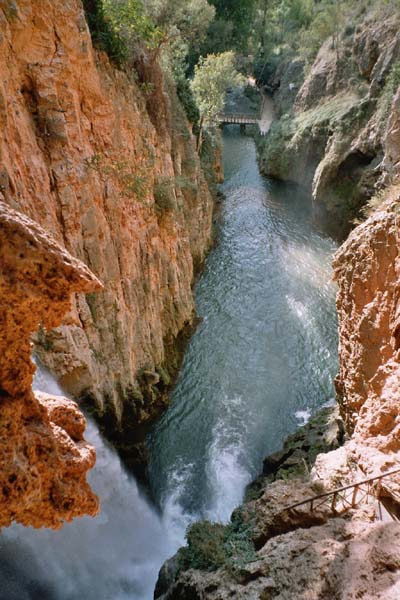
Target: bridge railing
237,118
349,496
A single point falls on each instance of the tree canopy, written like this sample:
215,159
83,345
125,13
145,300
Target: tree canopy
212,76
188,18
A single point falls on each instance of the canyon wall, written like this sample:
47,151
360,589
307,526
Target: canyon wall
104,160
43,455
330,134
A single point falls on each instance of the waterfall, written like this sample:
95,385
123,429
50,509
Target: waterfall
114,556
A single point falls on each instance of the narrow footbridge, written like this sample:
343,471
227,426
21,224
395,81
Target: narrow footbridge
237,119
341,499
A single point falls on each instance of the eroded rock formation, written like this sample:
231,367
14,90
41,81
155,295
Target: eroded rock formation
104,160
368,384
43,455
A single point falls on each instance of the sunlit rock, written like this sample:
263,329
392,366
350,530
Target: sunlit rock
43,455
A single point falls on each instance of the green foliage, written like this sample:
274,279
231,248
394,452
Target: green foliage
328,21
332,112
212,76
165,192
287,27
186,19
179,51
211,546
390,88
234,20
205,546
128,20
273,147
187,100
102,33
207,158
91,302
132,180
117,26
164,195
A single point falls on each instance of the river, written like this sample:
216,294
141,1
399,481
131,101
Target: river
260,363
263,358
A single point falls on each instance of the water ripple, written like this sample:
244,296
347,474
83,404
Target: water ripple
263,359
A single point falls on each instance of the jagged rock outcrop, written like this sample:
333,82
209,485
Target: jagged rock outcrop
43,455
339,561
332,140
368,385
103,159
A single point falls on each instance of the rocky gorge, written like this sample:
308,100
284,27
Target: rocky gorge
331,135
342,147
103,196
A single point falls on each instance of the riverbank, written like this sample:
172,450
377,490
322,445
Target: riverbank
231,550
265,551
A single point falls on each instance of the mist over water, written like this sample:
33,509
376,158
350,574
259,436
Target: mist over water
115,556
261,362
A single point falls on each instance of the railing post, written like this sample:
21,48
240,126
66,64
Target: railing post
354,496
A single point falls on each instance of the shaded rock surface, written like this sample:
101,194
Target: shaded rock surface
105,161
342,560
43,455
332,138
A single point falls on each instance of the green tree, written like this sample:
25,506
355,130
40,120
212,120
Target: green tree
212,76
130,23
188,19
238,16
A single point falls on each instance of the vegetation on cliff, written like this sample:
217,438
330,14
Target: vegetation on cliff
333,82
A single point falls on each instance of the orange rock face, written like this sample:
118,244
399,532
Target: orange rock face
367,269
43,455
109,167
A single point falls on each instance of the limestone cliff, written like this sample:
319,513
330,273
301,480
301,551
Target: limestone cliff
331,132
104,160
43,455
368,384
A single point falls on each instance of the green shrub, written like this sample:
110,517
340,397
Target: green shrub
91,301
117,26
205,546
164,195
103,35
133,181
390,88
211,546
187,100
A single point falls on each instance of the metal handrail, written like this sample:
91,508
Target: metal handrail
335,493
